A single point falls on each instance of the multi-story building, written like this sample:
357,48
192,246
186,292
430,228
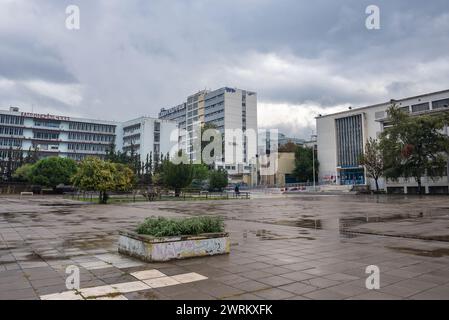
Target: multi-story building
77,138
342,137
233,112
148,136
177,114
54,135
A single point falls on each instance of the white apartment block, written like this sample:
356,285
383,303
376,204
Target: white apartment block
148,136
233,112
342,137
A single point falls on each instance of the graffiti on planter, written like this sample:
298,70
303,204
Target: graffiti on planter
170,250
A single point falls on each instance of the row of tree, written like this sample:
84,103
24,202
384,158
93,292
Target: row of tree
409,147
94,174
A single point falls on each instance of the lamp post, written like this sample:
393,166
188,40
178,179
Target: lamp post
313,137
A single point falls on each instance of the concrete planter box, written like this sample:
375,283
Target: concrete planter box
153,249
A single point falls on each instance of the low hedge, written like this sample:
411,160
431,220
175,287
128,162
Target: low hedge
167,227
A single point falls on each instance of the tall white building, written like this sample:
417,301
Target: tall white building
342,137
233,112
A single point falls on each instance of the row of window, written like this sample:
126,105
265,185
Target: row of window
87,147
46,147
48,124
438,104
217,97
11,131
215,105
46,135
217,122
10,142
131,129
209,115
5,154
79,157
83,126
91,137
9,119
132,139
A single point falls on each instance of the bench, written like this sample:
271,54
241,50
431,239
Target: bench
25,193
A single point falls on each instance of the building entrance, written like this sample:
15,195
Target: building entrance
352,176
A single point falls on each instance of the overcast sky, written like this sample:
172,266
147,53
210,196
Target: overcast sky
132,57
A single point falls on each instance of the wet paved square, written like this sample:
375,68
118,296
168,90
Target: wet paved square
283,247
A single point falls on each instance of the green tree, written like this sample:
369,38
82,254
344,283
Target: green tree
200,175
372,159
414,146
52,171
304,164
97,175
176,176
218,179
23,173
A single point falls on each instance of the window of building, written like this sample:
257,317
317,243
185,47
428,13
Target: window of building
420,107
11,131
48,124
439,104
405,109
349,140
9,119
47,135
156,149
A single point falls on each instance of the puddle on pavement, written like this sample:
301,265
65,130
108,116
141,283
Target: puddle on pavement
436,253
302,223
269,235
59,204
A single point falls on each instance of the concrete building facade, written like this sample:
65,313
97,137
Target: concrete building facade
341,138
147,136
77,138
228,109
54,135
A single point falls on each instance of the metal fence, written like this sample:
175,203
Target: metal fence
136,196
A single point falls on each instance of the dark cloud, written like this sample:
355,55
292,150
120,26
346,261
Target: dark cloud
26,59
133,57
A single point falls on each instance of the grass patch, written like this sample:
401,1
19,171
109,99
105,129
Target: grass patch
167,227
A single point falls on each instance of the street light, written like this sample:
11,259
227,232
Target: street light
314,136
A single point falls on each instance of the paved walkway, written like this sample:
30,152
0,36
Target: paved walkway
284,247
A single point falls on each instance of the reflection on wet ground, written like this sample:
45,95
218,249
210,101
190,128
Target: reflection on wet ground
440,252
298,233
